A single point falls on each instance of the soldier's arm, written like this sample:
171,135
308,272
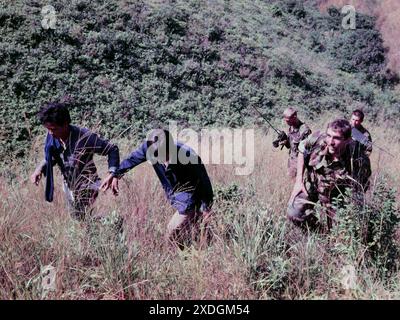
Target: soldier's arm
281,140
284,141
299,186
300,168
299,183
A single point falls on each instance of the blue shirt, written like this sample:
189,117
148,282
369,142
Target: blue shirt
187,186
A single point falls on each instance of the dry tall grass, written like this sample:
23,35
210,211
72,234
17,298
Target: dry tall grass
254,254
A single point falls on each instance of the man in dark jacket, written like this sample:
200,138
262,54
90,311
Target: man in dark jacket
72,149
182,175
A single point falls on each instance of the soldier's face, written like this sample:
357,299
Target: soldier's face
336,142
355,121
290,120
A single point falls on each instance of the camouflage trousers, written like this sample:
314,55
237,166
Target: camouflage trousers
79,202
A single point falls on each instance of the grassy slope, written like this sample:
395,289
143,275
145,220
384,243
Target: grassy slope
255,253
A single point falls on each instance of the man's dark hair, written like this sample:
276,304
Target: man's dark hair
54,112
341,125
359,113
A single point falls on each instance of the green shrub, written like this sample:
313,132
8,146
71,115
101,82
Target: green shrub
365,234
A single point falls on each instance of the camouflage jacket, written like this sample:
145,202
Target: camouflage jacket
295,136
325,178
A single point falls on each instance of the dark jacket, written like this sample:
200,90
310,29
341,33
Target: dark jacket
186,185
75,160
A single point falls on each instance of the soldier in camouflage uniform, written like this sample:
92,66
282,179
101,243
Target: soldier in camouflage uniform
328,164
298,131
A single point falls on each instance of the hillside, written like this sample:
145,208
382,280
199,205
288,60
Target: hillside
388,22
127,66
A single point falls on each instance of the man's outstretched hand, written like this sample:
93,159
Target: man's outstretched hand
110,182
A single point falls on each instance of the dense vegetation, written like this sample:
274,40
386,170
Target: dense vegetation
136,64
387,14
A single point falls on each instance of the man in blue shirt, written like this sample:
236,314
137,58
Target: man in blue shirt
72,149
183,177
